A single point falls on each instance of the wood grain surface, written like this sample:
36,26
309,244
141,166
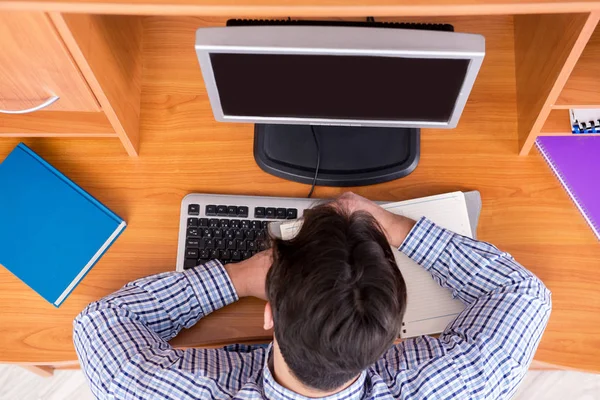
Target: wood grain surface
558,123
56,124
182,150
583,86
108,50
305,8
547,48
35,65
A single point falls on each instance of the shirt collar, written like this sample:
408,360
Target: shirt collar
274,391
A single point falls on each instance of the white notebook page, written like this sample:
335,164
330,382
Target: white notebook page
430,308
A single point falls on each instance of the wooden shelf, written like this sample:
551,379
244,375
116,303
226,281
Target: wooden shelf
108,50
56,124
582,89
547,47
559,124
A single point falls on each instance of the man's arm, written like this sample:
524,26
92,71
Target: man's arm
487,349
121,340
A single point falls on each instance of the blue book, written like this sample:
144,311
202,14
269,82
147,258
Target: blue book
52,232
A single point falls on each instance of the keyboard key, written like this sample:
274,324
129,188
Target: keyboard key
222,211
255,224
191,253
192,222
215,254
225,255
220,244
189,263
210,210
231,244
261,245
250,234
193,232
259,212
265,225
232,211
218,233
245,224
239,234
246,254
204,254
250,245
203,222
224,223
193,209
261,235
192,243
229,234
240,244
236,255
234,223
291,213
270,212
213,223
209,244
207,233
280,213
242,211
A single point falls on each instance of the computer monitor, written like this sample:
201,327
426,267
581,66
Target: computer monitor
343,82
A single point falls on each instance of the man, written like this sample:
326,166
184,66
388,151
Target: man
335,301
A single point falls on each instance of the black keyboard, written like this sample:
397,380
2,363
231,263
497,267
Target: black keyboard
224,232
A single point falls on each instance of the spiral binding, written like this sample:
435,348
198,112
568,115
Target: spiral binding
592,126
570,192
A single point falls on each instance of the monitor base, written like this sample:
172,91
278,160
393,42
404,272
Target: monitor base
350,156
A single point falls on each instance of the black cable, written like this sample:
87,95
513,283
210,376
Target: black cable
312,189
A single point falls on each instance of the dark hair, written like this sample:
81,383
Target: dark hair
337,296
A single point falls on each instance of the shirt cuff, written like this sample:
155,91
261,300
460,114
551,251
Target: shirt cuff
212,286
425,243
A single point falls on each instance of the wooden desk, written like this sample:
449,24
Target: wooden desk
312,8
182,150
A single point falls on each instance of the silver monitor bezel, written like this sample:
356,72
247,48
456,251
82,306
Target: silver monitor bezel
325,40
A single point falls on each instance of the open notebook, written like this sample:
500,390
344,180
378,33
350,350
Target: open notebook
430,307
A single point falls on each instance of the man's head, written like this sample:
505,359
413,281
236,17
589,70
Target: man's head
337,296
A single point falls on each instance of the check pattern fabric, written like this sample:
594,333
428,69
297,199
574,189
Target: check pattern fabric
122,340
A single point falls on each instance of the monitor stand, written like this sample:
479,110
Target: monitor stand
350,156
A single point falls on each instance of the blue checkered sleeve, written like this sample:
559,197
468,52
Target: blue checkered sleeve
121,340
485,352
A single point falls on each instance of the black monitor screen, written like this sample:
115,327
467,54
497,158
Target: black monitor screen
338,87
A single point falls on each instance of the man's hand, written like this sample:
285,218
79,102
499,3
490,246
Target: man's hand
249,276
396,227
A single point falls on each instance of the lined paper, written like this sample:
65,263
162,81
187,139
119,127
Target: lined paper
430,308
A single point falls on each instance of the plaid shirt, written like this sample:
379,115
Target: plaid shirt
484,353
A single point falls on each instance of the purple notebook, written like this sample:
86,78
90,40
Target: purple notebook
576,162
